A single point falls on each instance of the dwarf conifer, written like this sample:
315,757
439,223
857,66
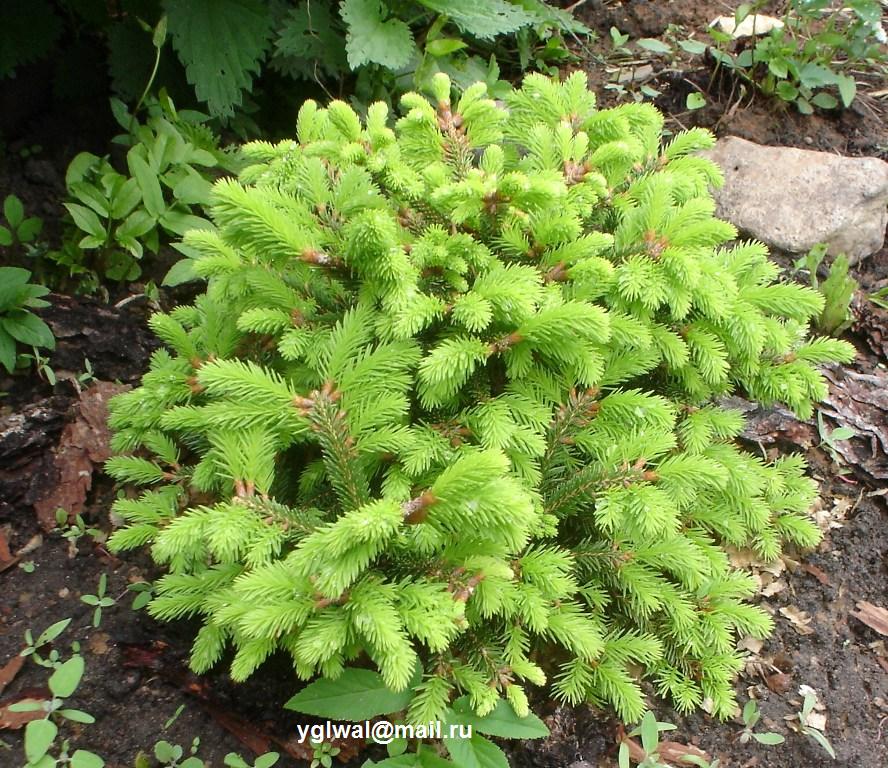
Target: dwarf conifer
448,404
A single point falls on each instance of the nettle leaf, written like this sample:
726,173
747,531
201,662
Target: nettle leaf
221,43
476,752
372,39
484,19
357,694
308,35
28,31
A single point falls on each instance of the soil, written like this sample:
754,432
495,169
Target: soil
137,684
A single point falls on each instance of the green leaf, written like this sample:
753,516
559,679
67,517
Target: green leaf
824,100
149,185
444,46
842,433
7,351
136,224
804,106
653,45
486,19
787,91
193,189
12,284
64,681
181,272
179,223
28,31
695,47
91,196
83,759
76,716
768,738
357,694
501,722
267,760
821,739
476,752
79,167
221,43
28,329
373,39
86,220
847,89
160,33
52,632
126,198
695,100
5,236
13,211
29,229
39,736
309,36
649,733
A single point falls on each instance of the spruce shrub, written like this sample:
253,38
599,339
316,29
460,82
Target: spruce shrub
448,407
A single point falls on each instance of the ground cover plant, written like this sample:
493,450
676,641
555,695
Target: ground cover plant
446,409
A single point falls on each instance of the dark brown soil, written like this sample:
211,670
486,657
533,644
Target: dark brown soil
137,680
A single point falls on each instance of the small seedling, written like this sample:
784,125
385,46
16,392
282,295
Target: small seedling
19,229
28,566
233,760
751,716
170,755
74,530
829,439
99,600
837,289
49,634
323,754
649,730
41,734
811,731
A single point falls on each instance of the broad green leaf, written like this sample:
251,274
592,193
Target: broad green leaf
653,45
126,198
7,351
787,91
64,681
221,43
695,100
649,733
29,229
86,220
695,47
91,196
79,166
136,224
842,433
357,694
39,736
193,189
28,329
476,752
149,185
5,236
373,39
181,272
13,211
83,759
824,100
501,722
267,760
12,283
486,19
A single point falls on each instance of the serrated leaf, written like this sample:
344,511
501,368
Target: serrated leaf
221,43
308,35
357,694
372,39
28,31
485,19
476,752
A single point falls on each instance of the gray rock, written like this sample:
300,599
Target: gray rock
792,199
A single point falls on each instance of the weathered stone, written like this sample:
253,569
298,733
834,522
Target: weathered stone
792,199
